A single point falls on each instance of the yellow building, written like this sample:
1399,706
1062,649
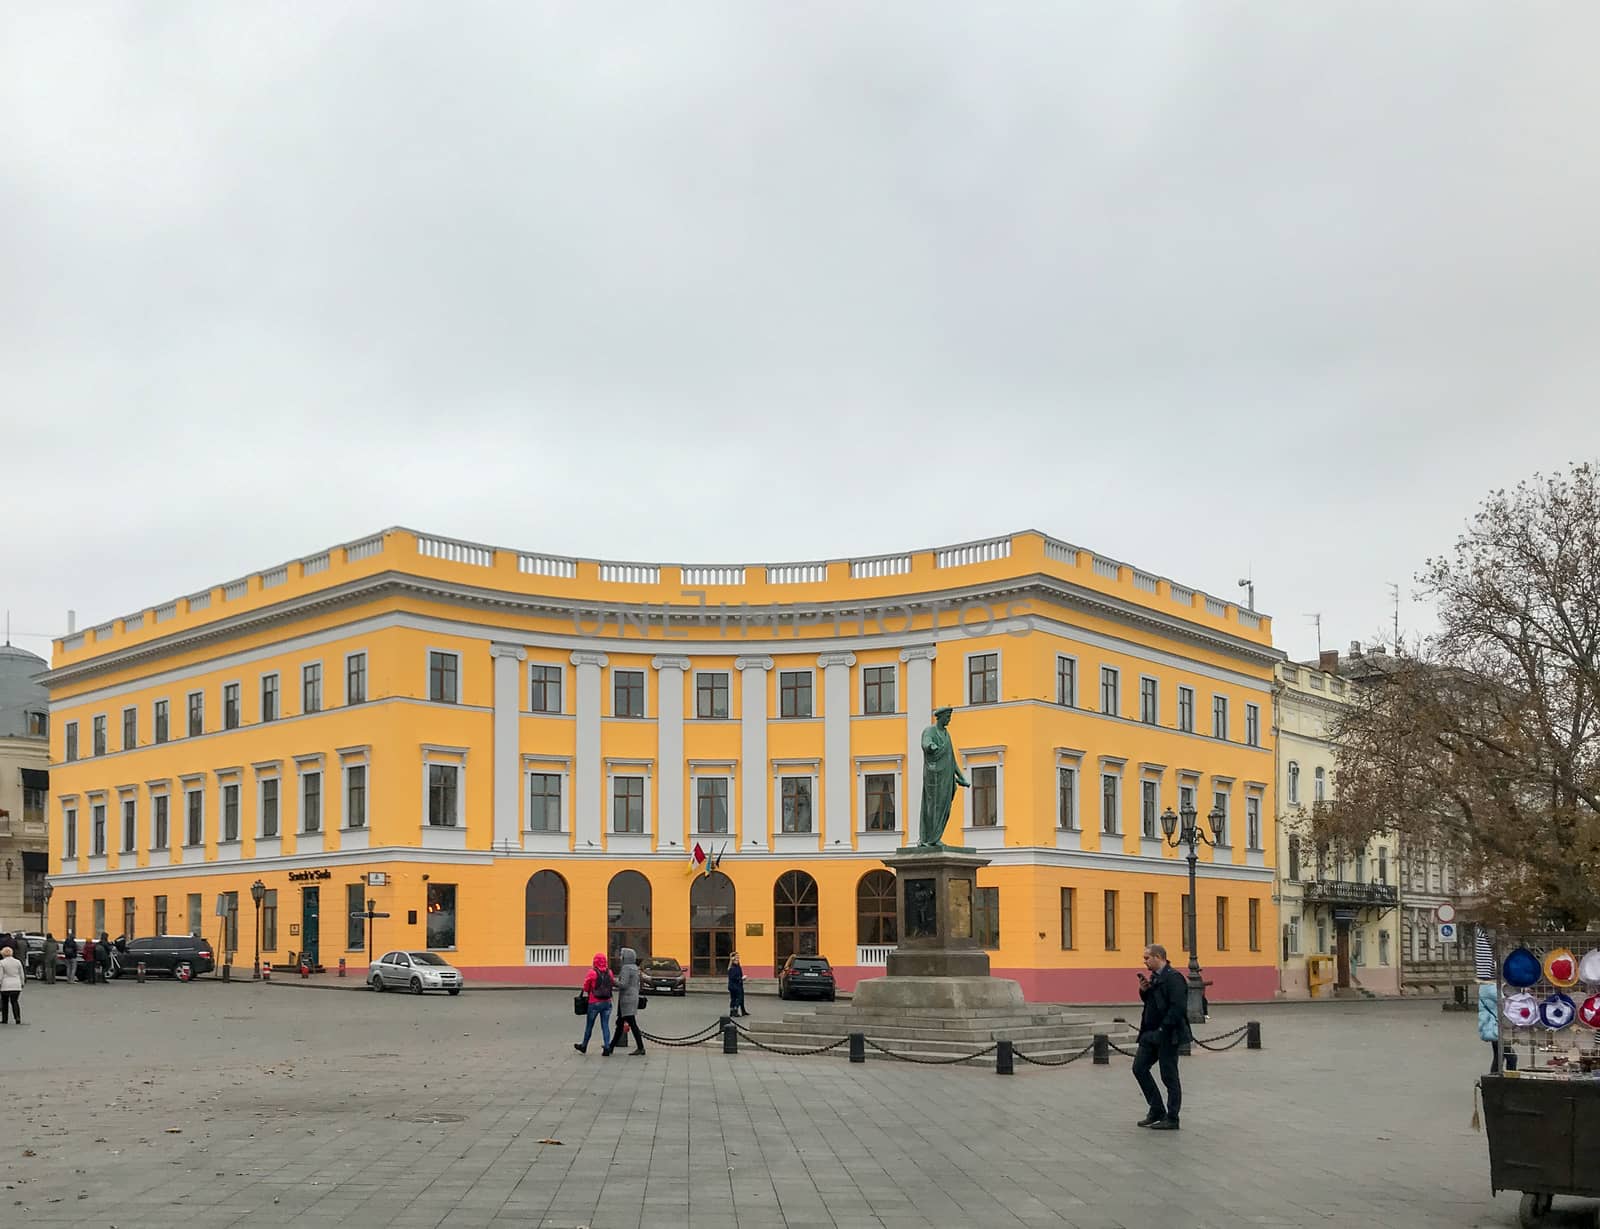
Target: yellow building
515,756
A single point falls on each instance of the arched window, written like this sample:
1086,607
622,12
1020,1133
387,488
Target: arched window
794,916
628,914
875,911
711,914
546,923
1320,785
1294,784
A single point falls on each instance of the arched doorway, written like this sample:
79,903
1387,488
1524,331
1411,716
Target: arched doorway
711,911
876,925
794,916
628,915
545,923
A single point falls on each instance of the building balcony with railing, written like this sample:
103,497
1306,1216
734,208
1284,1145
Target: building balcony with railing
1346,892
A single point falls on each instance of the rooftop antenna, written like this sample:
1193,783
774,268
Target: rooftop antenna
1394,592
1316,618
1247,583
8,629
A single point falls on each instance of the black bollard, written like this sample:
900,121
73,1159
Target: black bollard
858,1047
1102,1050
722,1023
1002,1058
730,1040
1252,1035
1185,1050
139,968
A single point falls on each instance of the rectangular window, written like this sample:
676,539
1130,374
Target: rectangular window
355,926
1150,900
880,802
197,714
985,796
99,735
355,678
35,802
878,690
98,914
1067,681
1110,686
1110,808
230,812
1068,903
129,823
194,913
72,917
794,693
627,804
161,915
627,693
711,694
1383,866
1383,947
355,796
311,802
159,835
269,697
38,725
311,688
545,694
442,680
1219,816
1222,923
269,807
442,794
1185,798
544,802
711,804
1149,820
1219,717
1148,701
1292,939
72,741
97,830
1111,921
441,915
983,678
230,706
195,806
1294,859
269,921
1067,799
130,728
1252,725
795,796
1252,822
231,930
1186,709
986,917
1255,924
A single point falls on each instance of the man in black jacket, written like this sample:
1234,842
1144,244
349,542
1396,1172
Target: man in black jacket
1163,1027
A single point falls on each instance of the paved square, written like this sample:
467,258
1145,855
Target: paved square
211,1105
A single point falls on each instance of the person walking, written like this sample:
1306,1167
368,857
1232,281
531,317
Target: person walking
70,950
1489,1021
736,986
628,1000
11,980
102,959
597,987
47,958
1163,1027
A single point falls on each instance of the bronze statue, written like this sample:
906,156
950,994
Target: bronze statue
940,776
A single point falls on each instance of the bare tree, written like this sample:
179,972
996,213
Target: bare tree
1487,741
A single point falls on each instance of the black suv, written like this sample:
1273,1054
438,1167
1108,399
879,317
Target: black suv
662,975
806,975
165,955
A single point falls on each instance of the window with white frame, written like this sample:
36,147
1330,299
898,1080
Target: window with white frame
197,714
355,678
444,795
195,807
444,683
544,802
1293,937
311,802
544,694
1252,821
269,697
1252,725
1110,691
1294,783
1067,681
879,802
1186,798
355,795
627,804
1186,709
230,811
130,728
1219,717
311,688
160,833
1149,808
1110,804
1067,798
711,805
70,731
711,694
1219,815
1319,783
1149,700
130,818
985,795
97,830
878,690
983,678
269,807
230,706
627,693
100,735
161,719
794,693
794,798
69,828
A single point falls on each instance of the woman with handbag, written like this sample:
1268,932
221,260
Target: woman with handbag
597,989
628,1000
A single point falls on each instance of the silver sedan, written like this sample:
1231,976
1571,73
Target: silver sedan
414,971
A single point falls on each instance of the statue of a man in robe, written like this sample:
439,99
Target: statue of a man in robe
940,776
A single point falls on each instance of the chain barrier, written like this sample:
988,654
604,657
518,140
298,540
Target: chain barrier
930,1062
693,1039
1052,1062
747,1035
1120,1050
1238,1035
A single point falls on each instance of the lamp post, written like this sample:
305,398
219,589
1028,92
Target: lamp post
1185,829
45,892
258,893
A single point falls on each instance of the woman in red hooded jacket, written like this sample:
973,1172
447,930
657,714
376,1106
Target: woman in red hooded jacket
598,987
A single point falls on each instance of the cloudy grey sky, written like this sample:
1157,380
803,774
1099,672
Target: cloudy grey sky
1209,287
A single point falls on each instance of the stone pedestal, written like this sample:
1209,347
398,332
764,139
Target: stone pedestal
938,963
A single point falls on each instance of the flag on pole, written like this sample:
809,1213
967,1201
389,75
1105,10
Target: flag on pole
697,858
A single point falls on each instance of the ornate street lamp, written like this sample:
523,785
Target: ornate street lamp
45,892
1185,829
258,893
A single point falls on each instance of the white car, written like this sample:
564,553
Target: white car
415,971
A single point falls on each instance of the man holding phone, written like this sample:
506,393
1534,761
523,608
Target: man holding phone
1163,1027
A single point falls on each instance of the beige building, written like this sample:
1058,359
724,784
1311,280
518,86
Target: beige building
24,787
1339,916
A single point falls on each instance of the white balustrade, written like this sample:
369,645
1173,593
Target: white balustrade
547,565
700,574
973,552
315,564
873,956
546,954
880,565
1060,552
797,573
631,573
1109,568
357,551
452,551
274,578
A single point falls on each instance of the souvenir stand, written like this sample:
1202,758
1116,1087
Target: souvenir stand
1543,1116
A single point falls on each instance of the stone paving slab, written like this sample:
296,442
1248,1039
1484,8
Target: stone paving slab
221,1105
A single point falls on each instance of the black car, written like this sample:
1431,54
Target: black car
663,975
164,955
806,975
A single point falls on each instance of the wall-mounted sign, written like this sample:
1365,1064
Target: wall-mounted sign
302,876
294,928
376,879
753,930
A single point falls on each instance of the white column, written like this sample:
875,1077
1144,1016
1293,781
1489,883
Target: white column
837,779
587,775
753,748
670,771
508,659
919,713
